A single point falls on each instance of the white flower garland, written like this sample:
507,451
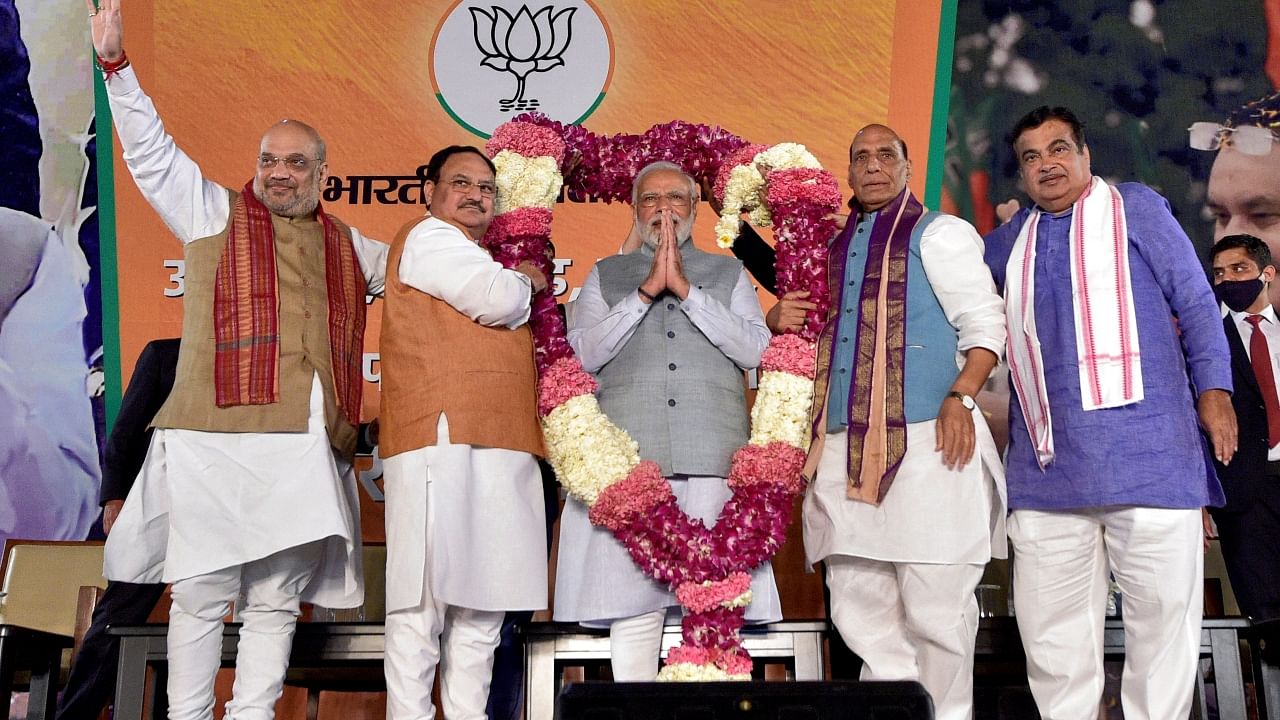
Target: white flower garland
742,189
526,182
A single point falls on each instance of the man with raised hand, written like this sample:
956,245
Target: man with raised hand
907,501
667,330
460,441
1106,466
248,486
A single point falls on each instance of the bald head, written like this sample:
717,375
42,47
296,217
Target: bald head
298,129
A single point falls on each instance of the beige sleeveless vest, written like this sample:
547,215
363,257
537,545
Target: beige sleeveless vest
304,340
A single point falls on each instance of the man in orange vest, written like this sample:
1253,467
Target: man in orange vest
460,441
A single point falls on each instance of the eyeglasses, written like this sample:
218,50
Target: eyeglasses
463,186
291,162
676,199
1249,139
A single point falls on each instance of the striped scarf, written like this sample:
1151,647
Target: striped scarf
877,406
246,319
1107,353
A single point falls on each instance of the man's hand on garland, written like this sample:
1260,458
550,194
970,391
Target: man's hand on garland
789,312
531,271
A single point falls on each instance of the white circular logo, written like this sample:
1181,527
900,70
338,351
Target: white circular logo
491,61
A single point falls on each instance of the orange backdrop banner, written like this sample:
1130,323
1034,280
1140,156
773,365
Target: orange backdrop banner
387,83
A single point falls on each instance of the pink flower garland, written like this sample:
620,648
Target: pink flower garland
789,354
631,499
562,381
707,566
526,139
773,463
701,597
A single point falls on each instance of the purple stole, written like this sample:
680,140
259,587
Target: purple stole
886,269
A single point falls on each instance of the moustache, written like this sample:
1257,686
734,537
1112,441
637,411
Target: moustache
281,183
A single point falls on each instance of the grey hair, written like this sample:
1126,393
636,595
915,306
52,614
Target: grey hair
694,194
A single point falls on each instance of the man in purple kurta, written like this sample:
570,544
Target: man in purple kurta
1111,479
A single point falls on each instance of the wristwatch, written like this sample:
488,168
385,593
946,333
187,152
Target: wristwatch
965,400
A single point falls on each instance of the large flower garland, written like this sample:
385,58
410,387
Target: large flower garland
596,461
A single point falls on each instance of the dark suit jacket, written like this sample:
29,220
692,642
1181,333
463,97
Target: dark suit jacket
130,436
1244,479
756,256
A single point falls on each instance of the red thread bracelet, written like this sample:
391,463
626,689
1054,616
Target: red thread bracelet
110,69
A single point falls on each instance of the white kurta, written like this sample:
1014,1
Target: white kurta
596,579
472,516
206,500
931,514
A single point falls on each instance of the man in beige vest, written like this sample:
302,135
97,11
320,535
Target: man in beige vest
247,488
460,441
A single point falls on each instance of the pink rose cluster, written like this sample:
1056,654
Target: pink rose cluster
732,662
562,381
776,463
631,499
527,139
700,597
811,186
741,156
526,222
790,354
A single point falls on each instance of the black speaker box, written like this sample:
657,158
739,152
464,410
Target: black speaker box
745,701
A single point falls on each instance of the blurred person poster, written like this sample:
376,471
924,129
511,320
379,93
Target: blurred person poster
51,359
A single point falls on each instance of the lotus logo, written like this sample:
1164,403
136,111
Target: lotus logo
522,44
491,59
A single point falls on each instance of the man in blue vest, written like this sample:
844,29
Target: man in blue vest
907,502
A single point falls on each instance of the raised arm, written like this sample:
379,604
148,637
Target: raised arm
191,206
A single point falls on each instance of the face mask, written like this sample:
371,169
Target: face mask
1238,295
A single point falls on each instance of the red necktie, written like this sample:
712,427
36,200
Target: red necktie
1260,358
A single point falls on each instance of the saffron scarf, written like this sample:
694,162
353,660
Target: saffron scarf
246,320
1107,354
877,425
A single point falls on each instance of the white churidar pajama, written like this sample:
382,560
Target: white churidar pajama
1156,557
902,575
272,587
